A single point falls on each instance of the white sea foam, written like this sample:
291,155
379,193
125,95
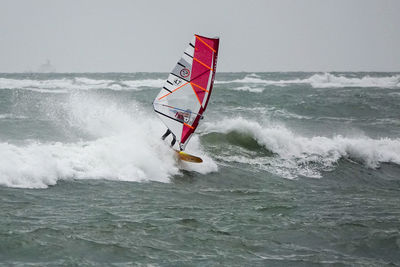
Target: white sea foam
126,146
307,156
326,80
267,111
249,89
63,85
253,75
249,79
11,116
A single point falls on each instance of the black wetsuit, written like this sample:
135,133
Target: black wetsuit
173,137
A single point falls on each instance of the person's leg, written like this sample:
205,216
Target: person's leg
166,134
173,140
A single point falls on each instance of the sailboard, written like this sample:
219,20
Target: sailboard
183,99
187,157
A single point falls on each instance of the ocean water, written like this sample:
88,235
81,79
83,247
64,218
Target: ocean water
300,169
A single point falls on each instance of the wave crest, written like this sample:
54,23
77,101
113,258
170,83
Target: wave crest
325,80
328,80
125,145
61,85
308,156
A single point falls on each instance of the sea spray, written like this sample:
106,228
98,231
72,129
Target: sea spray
125,145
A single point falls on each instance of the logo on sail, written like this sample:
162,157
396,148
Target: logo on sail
183,116
185,73
177,81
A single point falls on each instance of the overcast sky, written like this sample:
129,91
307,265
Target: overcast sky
131,36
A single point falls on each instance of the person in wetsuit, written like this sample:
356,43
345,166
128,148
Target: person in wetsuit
173,137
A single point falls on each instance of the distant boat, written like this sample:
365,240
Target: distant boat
47,67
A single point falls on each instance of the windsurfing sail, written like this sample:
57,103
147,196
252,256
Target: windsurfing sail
185,95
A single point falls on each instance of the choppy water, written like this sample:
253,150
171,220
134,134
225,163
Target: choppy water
300,169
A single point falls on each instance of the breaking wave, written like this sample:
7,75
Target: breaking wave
326,80
125,145
296,155
251,79
63,85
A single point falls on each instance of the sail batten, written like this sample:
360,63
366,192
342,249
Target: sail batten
185,95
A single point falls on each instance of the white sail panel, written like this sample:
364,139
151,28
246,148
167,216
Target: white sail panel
184,96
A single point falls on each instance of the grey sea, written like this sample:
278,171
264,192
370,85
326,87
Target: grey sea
300,169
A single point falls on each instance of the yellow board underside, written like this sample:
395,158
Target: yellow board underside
187,157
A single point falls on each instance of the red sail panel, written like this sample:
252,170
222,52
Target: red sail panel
204,64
